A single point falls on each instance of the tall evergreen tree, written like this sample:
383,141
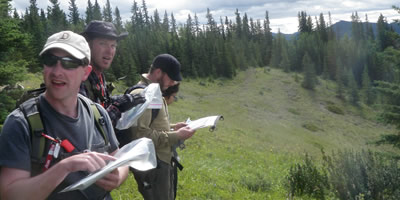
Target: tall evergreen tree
310,77
5,8
73,12
382,29
322,28
145,13
285,63
56,17
96,11
268,40
238,28
165,23
15,14
107,12
368,29
118,20
340,79
366,89
353,90
89,12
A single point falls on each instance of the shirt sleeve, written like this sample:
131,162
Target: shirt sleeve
15,142
158,130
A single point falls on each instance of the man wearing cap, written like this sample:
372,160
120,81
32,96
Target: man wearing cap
158,183
102,38
73,146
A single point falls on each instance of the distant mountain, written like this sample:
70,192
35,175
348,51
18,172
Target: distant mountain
344,27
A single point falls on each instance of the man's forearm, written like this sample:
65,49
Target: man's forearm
26,187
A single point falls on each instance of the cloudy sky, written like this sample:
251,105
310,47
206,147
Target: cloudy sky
282,13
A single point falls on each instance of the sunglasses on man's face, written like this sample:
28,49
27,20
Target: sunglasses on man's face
51,60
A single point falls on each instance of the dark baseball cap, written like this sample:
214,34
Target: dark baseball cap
168,64
98,28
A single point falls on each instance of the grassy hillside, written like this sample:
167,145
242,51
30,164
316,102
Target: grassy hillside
270,123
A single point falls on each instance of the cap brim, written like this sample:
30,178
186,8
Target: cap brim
71,50
177,77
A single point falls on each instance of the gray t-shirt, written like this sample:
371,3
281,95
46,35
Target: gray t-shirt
15,141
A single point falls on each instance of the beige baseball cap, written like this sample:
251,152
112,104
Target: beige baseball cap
70,42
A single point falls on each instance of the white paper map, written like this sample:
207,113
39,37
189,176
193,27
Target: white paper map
210,121
139,154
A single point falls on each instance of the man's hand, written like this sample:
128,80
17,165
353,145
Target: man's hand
127,101
179,125
122,103
185,133
90,161
110,181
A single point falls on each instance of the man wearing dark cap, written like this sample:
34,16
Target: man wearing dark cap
158,183
102,38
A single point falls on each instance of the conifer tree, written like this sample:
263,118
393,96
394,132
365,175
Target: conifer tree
107,12
302,17
56,17
322,28
118,20
340,80
238,28
267,49
165,23
353,90
5,9
145,13
15,14
89,12
285,63
96,11
368,29
366,89
310,77
73,13
382,33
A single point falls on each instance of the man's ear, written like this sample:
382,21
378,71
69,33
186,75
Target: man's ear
158,72
87,69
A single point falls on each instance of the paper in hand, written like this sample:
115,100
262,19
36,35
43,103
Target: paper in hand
210,121
139,154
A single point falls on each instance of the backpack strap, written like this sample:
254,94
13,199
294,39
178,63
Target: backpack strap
99,122
30,109
98,118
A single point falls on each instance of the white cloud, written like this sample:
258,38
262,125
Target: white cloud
282,13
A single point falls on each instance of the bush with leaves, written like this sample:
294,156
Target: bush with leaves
306,179
365,175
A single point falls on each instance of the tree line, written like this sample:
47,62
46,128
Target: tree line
360,63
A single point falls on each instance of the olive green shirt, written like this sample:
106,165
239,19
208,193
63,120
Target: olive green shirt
159,130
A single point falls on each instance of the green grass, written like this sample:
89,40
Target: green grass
264,132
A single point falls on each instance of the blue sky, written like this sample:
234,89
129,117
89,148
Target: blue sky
282,13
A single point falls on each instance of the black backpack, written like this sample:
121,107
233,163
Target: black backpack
125,136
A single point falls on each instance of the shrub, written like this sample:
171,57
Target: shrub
255,182
311,127
367,175
335,109
293,111
306,179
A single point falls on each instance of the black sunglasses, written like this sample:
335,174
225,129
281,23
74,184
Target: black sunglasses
50,60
